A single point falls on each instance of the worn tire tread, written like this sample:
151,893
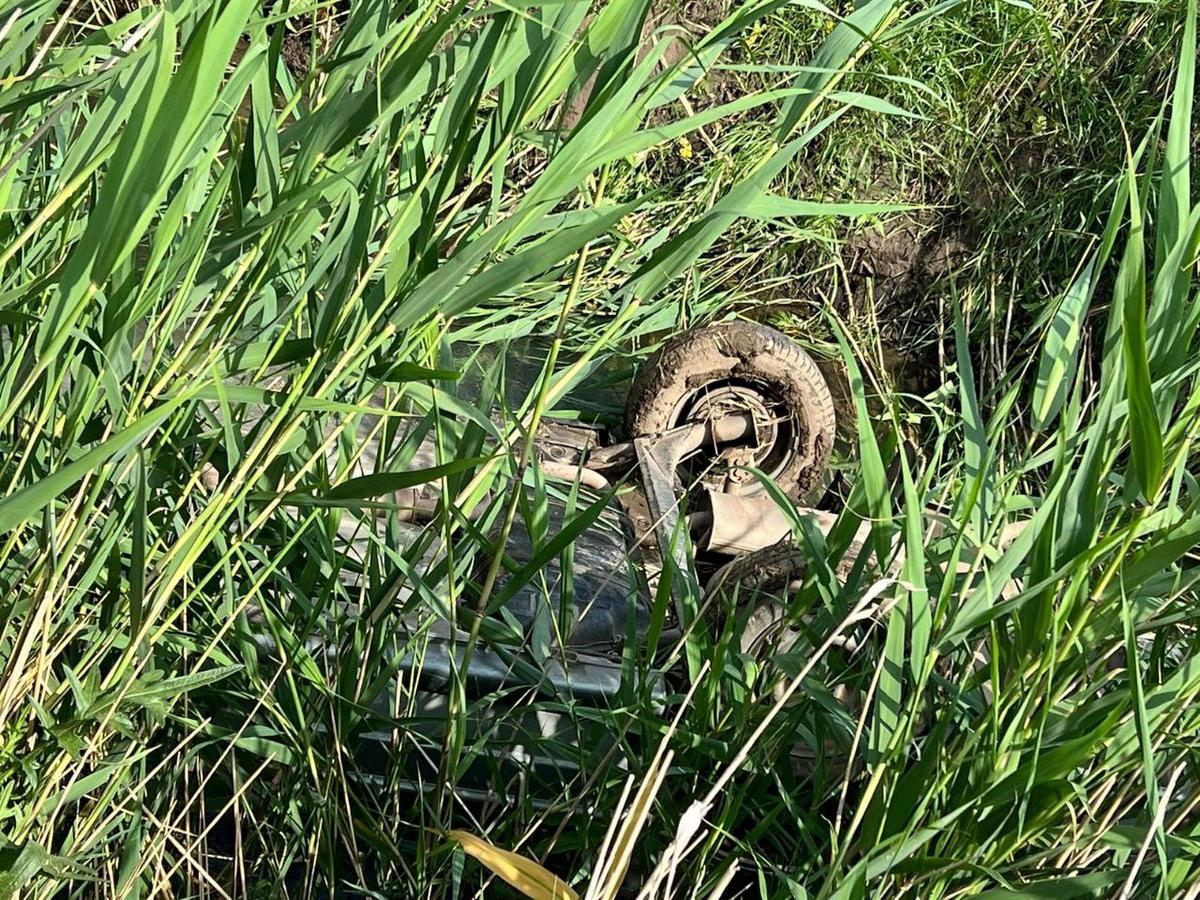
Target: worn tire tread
668,375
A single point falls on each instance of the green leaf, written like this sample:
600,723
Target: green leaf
381,483
1172,303
1145,433
1060,350
1174,203
29,501
682,250
551,549
979,606
873,474
231,392
451,292
834,56
772,206
174,106
18,867
889,692
1094,884
171,688
977,454
403,372
915,606
1142,720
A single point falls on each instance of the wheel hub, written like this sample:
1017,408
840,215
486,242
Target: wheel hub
720,401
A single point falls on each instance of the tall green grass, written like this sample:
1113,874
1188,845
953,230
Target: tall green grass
233,300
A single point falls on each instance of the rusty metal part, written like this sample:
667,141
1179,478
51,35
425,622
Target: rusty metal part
734,426
565,442
682,440
726,405
658,459
659,456
615,456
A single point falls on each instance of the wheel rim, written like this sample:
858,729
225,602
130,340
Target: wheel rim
776,430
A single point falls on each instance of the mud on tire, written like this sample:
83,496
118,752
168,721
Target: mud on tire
741,359
765,573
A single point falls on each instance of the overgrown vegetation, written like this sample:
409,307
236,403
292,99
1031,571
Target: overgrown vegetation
252,255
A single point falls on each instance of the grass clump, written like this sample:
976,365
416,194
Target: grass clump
257,260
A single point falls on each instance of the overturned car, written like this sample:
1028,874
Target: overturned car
713,417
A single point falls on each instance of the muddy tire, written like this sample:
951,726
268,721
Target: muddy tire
758,580
765,571
762,582
734,365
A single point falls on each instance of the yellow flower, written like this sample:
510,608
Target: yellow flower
684,148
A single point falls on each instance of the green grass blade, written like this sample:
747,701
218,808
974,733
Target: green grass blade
1060,350
19,507
1174,204
1144,429
834,56
873,473
378,484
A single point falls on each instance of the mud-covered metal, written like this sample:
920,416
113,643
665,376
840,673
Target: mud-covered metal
738,524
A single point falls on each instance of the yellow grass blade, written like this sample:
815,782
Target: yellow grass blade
527,876
617,865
